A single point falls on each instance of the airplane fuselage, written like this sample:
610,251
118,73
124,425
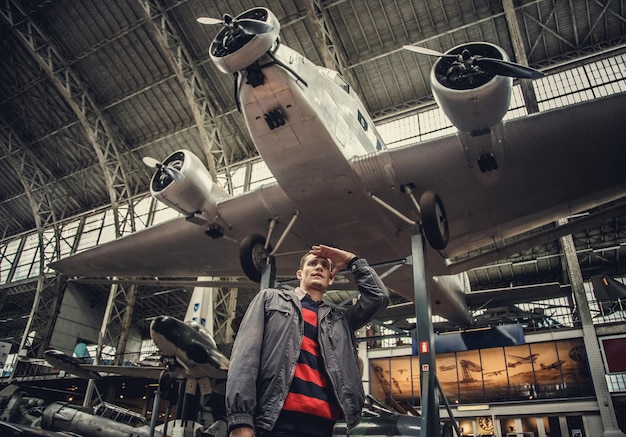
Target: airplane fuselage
310,128
190,345
323,125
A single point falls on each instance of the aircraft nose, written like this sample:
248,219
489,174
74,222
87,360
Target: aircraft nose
161,324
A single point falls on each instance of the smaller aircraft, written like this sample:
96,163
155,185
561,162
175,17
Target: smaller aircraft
379,419
446,368
494,373
61,360
523,360
610,293
64,418
187,350
17,407
555,365
535,318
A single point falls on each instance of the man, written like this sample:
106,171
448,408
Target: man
294,369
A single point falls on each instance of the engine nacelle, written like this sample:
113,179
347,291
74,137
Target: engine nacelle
195,193
233,50
473,102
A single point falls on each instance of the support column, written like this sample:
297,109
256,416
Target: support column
528,92
594,356
425,339
541,429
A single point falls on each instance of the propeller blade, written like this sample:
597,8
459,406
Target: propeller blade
174,174
209,20
429,52
505,68
150,162
254,27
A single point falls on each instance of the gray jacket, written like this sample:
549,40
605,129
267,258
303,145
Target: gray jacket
267,346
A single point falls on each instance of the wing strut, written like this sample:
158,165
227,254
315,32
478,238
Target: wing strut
431,215
255,251
285,233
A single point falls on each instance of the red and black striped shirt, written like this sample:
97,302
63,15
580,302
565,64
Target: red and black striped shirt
310,406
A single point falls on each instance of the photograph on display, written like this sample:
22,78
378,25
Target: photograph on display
448,375
495,374
546,370
470,376
520,363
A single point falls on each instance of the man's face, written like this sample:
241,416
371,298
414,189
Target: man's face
315,273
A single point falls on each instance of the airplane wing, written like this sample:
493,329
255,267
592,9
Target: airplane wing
149,372
555,163
337,185
63,361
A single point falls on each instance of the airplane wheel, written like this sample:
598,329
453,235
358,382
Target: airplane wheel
253,256
434,220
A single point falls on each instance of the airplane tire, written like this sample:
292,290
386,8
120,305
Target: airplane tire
253,256
434,220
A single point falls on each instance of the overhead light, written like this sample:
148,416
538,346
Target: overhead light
158,293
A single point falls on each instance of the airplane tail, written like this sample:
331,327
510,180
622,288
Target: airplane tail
605,287
200,307
607,290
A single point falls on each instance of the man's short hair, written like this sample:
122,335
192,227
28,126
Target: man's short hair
303,260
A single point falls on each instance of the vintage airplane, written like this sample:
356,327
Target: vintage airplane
494,373
187,350
446,368
17,407
522,360
103,420
610,293
555,365
337,183
380,420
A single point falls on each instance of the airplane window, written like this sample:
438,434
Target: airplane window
362,121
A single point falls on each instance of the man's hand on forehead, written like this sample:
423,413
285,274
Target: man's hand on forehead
340,258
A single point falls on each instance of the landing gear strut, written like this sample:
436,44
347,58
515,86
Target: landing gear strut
253,256
256,254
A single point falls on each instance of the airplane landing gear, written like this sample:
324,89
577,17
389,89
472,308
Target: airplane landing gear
253,256
256,254
434,220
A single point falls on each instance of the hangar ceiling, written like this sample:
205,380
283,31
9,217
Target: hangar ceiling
87,89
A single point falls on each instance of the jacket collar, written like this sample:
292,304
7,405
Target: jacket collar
301,294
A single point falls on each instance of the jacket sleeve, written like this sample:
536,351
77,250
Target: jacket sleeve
374,295
243,371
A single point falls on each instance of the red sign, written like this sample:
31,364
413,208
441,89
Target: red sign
424,347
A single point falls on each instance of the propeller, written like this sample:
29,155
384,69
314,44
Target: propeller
169,170
248,26
489,65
